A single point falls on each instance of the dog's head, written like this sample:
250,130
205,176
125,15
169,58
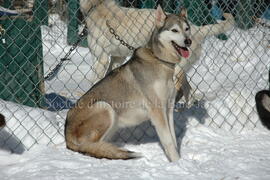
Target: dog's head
171,37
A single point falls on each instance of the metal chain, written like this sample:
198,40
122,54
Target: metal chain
55,70
117,37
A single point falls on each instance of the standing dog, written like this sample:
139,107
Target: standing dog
135,27
137,91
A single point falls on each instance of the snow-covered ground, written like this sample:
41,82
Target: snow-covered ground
217,138
206,154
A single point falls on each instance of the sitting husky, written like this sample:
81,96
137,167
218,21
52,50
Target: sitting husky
140,90
135,27
263,107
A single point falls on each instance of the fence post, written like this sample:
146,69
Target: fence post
21,65
73,24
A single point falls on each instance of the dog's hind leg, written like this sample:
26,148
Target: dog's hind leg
87,134
183,88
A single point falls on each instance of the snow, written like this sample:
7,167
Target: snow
206,154
28,125
220,138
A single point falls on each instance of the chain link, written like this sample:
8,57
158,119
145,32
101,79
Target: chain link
55,70
226,98
117,37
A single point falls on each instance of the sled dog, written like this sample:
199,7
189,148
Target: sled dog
135,27
141,89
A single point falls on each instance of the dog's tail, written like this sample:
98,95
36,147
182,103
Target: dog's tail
88,5
263,113
2,121
102,149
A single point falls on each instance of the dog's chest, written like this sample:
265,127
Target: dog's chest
132,116
163,89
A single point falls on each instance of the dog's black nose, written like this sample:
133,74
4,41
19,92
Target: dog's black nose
188,42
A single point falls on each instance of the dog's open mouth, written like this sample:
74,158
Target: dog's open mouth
183,51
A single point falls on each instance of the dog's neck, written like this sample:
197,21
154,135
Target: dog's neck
166,63
148,55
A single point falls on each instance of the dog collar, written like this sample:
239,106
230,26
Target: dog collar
168,64
148,52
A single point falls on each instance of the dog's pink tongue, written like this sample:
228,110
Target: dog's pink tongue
184,52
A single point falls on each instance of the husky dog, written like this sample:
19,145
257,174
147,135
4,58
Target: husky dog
2,121
141,89
262,99
135,27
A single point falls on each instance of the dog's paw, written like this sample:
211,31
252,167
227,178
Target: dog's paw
191,100
185,103
178,107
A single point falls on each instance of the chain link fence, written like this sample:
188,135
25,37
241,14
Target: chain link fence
36,34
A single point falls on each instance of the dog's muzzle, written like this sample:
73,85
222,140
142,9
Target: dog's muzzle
182,51
188,42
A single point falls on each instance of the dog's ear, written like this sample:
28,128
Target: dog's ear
183,12
160,17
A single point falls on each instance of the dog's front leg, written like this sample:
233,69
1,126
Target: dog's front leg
171,120
183,87
160,121
188,93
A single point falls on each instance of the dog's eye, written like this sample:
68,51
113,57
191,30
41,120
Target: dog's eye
187,28
174,30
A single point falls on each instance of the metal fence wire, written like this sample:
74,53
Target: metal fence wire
36,34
